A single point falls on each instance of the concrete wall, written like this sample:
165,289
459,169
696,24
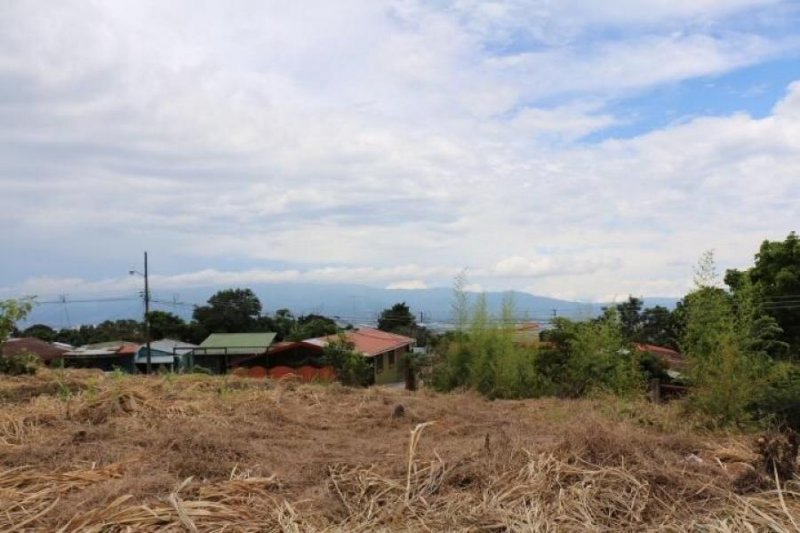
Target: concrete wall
393,366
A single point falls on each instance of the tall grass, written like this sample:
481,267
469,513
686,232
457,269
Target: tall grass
486,354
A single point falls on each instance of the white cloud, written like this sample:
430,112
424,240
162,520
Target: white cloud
521,267
410,284
334,142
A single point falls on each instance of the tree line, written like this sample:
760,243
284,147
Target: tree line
227,311
740,340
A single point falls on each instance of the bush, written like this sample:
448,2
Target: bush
351,367
779,401
19,365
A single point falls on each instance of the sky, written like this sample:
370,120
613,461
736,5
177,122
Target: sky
577,149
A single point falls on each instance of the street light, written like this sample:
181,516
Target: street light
146,311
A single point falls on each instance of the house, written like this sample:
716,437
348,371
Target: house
526,334
673,360
106,356
166,354
387,351
47,352
222,351
294,354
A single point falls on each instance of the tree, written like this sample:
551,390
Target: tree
652,325
112,330
630,318
165,325
727,364
40,331
230,311
313,325
11,312
659,327
351,367
283,323
776,280
397,318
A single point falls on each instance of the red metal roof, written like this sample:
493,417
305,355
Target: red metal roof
369,341
46,351
128,349
289,345
672,358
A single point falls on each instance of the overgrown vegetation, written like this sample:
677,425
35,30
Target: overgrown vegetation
486,354
12,311
735,349
351,367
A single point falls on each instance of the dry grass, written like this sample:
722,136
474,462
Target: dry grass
81,451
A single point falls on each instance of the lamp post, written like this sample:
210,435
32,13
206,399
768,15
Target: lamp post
146,312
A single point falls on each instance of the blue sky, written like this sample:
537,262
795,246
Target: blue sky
576,149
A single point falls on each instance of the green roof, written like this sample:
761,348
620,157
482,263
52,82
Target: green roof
238,343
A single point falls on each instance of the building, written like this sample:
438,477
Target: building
106,356
165,354
222,351
673,360
387,351
44,350
526,334
294,354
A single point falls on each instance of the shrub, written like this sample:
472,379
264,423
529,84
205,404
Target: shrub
723,343
351,367
779,400
19,365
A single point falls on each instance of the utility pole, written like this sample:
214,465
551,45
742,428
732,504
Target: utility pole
147,316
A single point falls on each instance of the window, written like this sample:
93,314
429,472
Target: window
391,359
379,363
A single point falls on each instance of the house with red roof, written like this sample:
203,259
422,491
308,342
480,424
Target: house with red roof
672,359
387,351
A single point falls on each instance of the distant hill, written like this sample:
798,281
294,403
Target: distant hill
357,304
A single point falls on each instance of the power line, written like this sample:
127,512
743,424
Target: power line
63,300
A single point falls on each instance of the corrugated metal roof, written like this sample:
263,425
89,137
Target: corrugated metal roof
368,341
236,343
168,345
90,352
155,358
107,345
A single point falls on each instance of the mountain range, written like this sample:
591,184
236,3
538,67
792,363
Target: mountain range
350,303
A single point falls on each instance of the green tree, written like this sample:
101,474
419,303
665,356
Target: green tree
630,318
311,326
727,364
351,367
776,280
112,330
40,331
659,327
229,311
165,325
397,318
11,312
283,323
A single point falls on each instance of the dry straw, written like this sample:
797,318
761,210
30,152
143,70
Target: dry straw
114,456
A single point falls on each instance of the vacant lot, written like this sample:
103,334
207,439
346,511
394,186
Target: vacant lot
90,452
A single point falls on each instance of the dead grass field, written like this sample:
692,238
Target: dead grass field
82,451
